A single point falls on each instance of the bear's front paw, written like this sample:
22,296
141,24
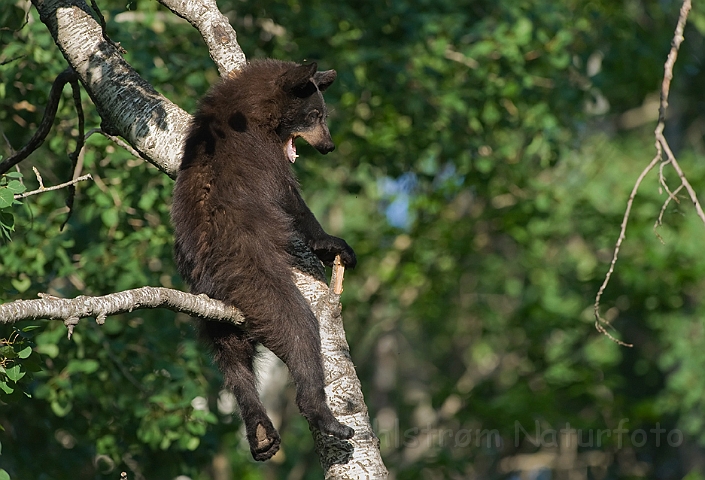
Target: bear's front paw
327,248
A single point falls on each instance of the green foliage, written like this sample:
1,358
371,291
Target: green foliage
18,361
481,191
10,185
12,17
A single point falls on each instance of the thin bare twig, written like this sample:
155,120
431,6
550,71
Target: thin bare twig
684,181
663,184
600,322
117,140
659,220
43,189
10,60
661,147
39,179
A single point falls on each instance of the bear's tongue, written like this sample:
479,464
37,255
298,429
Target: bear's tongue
291,150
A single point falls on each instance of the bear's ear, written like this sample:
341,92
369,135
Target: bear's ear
297,79
324,79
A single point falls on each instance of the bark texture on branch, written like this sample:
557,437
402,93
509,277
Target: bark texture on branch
129,105
358,457
73,309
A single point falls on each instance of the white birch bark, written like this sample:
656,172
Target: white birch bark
71,310
358,457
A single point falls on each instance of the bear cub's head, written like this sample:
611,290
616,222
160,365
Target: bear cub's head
279,100
306,113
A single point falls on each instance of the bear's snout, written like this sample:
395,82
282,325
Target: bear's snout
326,148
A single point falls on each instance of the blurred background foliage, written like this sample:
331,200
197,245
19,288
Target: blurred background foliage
486,150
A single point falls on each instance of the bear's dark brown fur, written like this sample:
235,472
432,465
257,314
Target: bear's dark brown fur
236,208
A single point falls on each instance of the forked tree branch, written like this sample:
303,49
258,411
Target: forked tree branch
43,189
662,148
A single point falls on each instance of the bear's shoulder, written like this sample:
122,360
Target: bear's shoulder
252,94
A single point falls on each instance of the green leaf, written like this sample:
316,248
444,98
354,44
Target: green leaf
7,221
6,388
193,443
49,349
4,475
32,366
12,18
7,198
15,186
15,373
7,351
59,409
14,175
25,352
523,29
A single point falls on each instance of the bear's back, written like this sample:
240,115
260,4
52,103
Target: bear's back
228,211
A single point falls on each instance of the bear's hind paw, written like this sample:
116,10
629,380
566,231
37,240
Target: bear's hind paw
265,444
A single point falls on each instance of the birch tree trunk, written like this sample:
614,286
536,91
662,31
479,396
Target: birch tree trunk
131,108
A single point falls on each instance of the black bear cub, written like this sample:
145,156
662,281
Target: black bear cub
236,208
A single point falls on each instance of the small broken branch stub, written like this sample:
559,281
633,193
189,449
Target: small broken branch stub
337,276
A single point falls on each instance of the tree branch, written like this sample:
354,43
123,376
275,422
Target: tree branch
117,140
358,457
662,145
661,148
80,141
128,105
43,189
71,310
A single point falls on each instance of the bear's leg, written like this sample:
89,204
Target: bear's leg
293,336
234,354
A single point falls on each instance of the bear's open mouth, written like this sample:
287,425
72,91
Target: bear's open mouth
290,149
